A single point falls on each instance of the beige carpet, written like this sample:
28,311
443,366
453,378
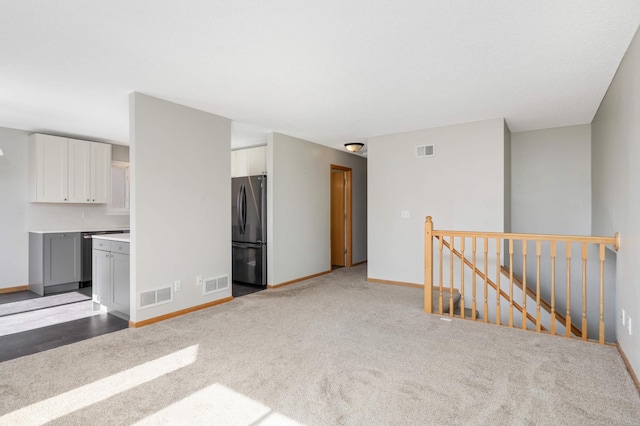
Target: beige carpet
332,350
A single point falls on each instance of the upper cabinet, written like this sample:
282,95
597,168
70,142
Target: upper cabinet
249,162
66,170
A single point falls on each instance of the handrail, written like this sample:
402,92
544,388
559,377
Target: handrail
508,239
614,241
489,281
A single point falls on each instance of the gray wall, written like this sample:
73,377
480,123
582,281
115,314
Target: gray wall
299,207
461,187
181,201
551,194
551,181
18,215
615,163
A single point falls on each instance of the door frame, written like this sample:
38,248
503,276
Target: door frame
348,227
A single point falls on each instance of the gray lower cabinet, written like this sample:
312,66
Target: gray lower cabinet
110,277
54,262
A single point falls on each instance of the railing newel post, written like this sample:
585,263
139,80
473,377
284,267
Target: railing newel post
428,265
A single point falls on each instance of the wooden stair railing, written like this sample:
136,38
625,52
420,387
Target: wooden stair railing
490,283
499,238
543,303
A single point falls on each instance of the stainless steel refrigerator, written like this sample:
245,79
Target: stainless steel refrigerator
249,229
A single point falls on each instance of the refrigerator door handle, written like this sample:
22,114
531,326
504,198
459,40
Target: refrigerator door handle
244,209
239,210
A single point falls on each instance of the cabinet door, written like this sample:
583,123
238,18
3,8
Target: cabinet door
241,163
101,277
61,258
79,171
51,154
120,279
257,161
100,172
234,166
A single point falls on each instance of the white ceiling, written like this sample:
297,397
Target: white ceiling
329,71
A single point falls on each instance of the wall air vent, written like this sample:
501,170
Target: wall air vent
211,285
156,297
425,151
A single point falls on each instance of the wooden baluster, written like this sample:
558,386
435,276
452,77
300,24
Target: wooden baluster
486,277
428,266
440,304
524,284
602,257
498,281
510,283
568,322
553,287
584,291
451,251
462,277
538,253
473,279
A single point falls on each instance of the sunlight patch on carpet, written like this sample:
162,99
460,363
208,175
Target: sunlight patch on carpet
220,404
58,406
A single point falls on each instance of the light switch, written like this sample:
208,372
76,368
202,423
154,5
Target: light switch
405,214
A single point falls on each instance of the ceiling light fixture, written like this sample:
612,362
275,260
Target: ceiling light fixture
353,146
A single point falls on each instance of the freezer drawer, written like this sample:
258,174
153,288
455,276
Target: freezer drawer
249,263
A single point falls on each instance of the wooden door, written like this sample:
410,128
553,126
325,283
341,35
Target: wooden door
338,216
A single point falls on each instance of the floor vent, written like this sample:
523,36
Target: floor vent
425,151
156,297
214,284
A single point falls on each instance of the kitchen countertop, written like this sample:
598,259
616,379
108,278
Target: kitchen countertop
102,228
123,238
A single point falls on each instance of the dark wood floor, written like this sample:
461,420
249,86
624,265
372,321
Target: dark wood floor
240,289
41,339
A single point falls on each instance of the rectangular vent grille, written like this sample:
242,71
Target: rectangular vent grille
156,297
425,151
214,284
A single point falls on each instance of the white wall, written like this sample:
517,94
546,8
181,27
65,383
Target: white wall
615,163
299,207
18,215
14,240
181,201
461,187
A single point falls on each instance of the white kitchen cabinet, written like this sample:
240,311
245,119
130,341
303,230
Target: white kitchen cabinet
66,170
249,162
48,168
79,172
100,172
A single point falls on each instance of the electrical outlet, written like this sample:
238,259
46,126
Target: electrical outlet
85,215
199,280
177,285
624,317
405,214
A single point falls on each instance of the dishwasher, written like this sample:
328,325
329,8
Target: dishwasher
87,257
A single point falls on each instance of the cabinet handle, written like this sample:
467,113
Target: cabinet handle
87,199
62,235
94,200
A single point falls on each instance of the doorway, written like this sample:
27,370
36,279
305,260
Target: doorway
340,217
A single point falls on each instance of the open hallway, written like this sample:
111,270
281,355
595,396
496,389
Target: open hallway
331,350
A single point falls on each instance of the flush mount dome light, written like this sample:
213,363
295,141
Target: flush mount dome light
353,146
